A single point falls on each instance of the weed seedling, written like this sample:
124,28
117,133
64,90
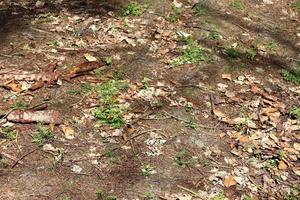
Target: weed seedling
174,15
295,112
110,112
213,35
8,133
43,136
55,43
189,106
193,53
19,105
296,5
102,195
237,4
148,170
150,196
132,8
292,194
251,53
271,46
182,158
146,82
232,53
292,75
199,9
247,197
45,18
108,60
220,196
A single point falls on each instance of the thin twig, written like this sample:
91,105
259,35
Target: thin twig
192,192
11,157
187,121
22,157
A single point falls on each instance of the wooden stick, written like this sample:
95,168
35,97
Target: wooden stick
192,192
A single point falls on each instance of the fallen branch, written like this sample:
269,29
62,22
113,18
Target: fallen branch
48,117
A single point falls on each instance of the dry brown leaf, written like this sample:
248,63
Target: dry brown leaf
244,139
83,68
282,165
227,76
68,131
296,146
229,181
37,85
14,86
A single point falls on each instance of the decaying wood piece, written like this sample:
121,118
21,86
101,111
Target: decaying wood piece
47,117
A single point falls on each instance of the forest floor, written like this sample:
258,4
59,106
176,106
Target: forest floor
173,100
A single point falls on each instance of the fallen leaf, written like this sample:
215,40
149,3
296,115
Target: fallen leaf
296,146
282,165
83,68
90,58
227,76
68,131
244,139
229,181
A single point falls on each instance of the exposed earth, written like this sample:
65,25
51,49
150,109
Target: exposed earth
173,100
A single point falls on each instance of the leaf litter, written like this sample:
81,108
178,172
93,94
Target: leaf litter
253,120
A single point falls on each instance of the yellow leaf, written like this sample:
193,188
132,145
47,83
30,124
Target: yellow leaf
229,181
89,57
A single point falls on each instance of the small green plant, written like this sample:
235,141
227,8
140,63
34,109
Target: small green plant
232,53
251,53
271,46
8,133
295,112
102,195
183,158
150,196
55,43
189,106
108,60
213,35
3,162
45,18
292,194
146,82
111,115
148,170
220,196
84,88
174,15
19,105
67,198
292,75
237,4
193,53
199,9
119,75
44,135
246,197
273,163
191,124
296,5
110,112
132,8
